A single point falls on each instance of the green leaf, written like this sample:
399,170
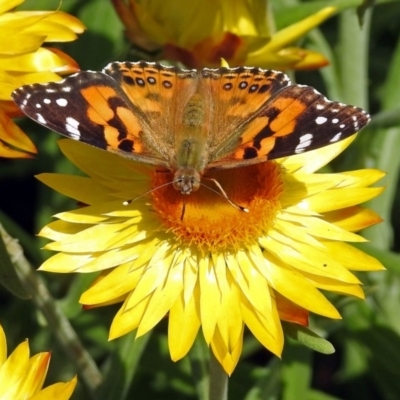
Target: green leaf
296,371
308,338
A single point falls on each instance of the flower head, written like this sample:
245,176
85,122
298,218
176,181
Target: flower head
208,265
200,33
22,377
23,60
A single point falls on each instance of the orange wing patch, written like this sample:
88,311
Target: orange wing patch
121,127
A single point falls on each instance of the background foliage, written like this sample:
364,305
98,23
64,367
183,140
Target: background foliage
367,340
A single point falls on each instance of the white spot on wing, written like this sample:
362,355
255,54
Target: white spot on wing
71,125
46,101
336,137
335,120
320,120
305,141
62,102
40,119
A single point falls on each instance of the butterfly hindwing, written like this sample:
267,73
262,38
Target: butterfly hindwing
234,96
296,119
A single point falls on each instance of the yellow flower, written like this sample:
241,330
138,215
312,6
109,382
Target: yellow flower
216,268
200,33
22,377
24,61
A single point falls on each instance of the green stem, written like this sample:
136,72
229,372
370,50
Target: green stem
218,380
56,319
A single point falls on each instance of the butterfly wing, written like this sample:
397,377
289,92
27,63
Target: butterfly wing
158,94
235,95
100,109
291,119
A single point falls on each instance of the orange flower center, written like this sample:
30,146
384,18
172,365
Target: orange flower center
207,220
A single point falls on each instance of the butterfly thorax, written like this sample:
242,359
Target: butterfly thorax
191,146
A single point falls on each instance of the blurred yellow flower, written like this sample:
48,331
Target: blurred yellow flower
217,269
24,61
22,377
200,33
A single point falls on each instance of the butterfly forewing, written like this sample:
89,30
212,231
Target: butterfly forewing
92,108
159,94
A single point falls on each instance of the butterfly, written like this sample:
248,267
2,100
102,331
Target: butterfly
190,121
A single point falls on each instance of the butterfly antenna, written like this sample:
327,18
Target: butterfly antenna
223,194
127,202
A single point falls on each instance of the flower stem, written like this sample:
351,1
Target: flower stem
55,318
218,380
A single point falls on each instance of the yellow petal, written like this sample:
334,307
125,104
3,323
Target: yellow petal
163,298
266,328
336,287
6,5
291,284
228,358
13,369
114,284
319,228
230,320
253,286
353,218
293,32
314,160
210,298
57,26
40,60
64,262
186,315
127,320
351,257
18,43
3,344
306,258
82,189
59,391
35,375
9,82
12,135
336,199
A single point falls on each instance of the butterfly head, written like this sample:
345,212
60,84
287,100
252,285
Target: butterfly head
186,180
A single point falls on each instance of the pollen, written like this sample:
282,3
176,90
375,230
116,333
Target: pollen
207,220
